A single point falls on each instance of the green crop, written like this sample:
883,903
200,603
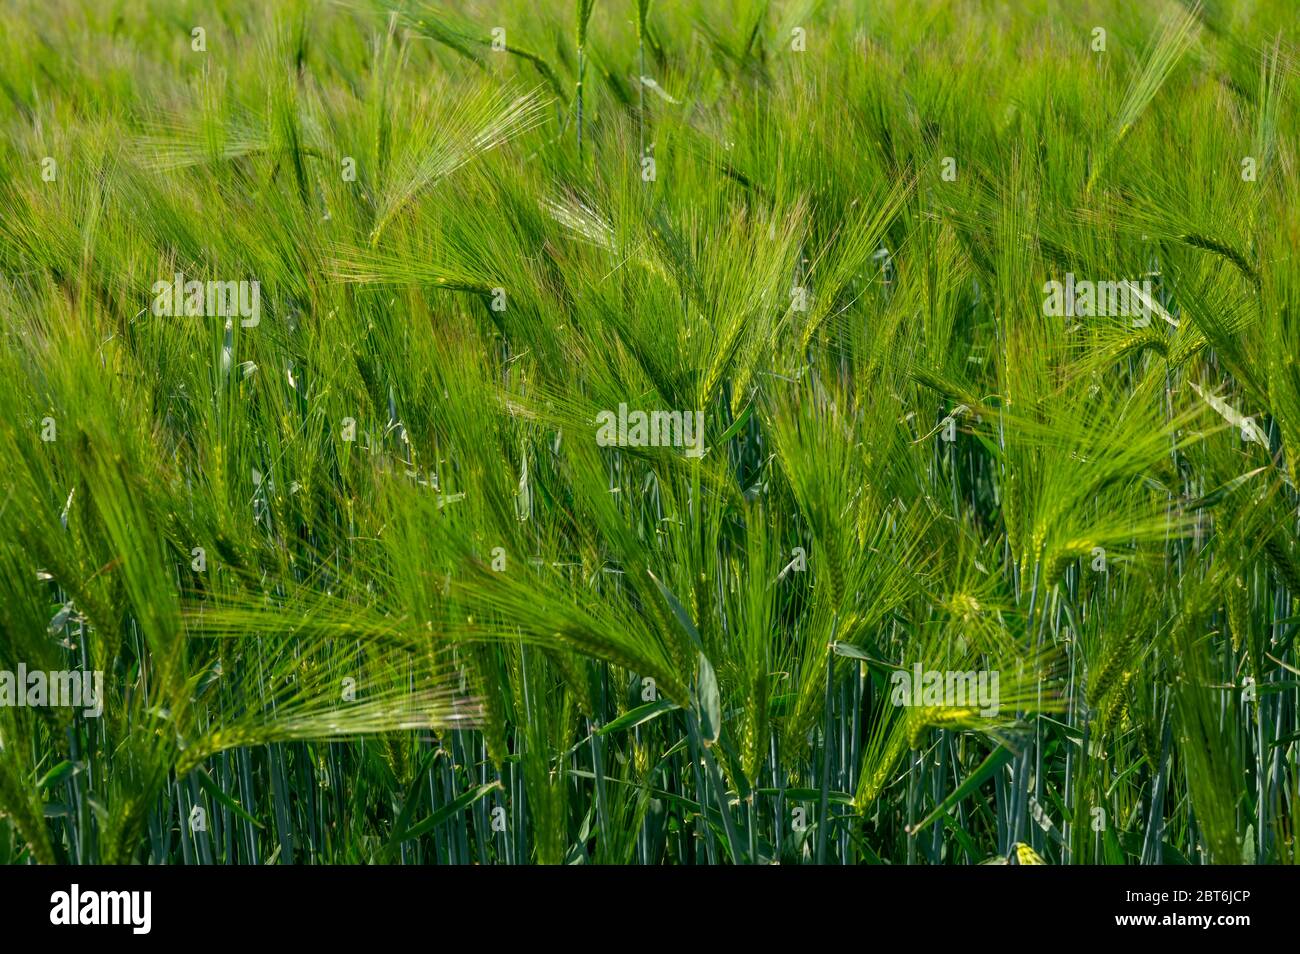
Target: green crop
697,432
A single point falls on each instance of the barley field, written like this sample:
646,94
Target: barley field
648,432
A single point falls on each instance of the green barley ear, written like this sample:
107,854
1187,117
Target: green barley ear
1283,554
488,676
584,8
754,727
1107,689
642,14
1236,598
1013,514
1178,32
573,670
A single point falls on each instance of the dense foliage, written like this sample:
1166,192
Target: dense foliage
367,582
